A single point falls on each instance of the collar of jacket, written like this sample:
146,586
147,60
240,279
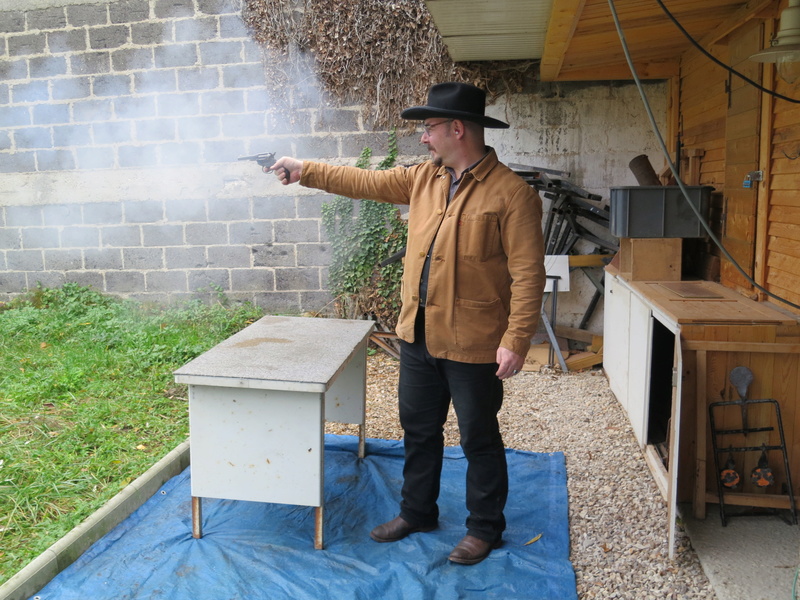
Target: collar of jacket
483,167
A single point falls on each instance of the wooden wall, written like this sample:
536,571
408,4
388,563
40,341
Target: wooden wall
729,128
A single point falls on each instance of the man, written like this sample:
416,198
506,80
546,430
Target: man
472,289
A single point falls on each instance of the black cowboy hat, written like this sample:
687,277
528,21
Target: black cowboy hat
456,101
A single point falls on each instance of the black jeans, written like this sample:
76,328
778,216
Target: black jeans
426,387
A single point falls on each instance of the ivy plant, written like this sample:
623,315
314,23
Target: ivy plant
362,235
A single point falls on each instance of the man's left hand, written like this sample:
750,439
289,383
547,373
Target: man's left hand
510,363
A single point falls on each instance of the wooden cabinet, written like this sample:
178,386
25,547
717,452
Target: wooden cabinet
669,348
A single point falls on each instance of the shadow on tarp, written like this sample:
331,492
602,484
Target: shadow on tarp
254,551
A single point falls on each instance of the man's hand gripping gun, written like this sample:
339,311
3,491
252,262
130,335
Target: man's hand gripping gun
265,160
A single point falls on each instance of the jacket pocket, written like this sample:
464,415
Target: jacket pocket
479,325
478,236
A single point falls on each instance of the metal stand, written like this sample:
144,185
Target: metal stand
715,433
549,325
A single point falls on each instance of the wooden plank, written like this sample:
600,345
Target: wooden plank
784,246
560,30
573,333
734,21
738,346
589,260
584,360
701,437
755,500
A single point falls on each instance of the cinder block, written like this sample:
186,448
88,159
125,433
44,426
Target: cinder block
124,282
92,110
196,128
202,78
299,278
222,103
228,256
199,29
25,260
150,82
15,116
251,233
155,130
33,137
72,135
63,260
274,255
102,213
11,69
91,279
10,238
12,282
252,280
103,259
297,231
166,9
176,55
121,236
186,210
62,214
12,21
278,302
80,237
83,15
232,26
216,7
187,257
72,40
26,45
178,105
145,211
39,237
94,158
137,156
166,281
162,235
228,209
223,151
90,63
47,279
245,76
180,153
51,114
274,207
73,88
243,125
150,33
142,258
112,85
129,59
314,255
204,234
129,11
208,279
18,162
112,132
47,66
111,36
133,107
24,216
55,160
33,91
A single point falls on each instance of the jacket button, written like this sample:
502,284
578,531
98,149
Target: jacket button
415,298
438,212
421,254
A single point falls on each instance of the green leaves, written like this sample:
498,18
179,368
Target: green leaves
361,237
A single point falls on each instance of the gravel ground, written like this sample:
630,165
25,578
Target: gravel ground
618,518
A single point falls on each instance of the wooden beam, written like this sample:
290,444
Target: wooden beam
589,260
751,10
714,346
563,22
757,500
613,72
764,162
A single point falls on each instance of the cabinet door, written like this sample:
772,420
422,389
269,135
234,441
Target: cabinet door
615,337
639,348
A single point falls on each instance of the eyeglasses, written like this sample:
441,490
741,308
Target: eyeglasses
428,126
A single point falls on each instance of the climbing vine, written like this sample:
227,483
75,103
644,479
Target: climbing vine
362,236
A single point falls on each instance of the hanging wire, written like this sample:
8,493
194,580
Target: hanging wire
672,167
719,62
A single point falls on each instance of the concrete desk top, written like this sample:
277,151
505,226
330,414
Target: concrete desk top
270,354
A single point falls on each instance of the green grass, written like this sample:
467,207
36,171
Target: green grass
88,403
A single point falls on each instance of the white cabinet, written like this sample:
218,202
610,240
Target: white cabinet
627,350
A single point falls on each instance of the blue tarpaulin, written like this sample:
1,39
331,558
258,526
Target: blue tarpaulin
254,551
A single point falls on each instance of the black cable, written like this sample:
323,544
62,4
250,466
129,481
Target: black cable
672,167
719,62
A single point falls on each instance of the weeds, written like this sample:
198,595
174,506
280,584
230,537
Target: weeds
88,403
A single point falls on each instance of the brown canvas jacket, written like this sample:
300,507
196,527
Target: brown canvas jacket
487,267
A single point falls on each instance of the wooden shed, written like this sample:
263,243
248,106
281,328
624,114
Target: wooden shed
679,315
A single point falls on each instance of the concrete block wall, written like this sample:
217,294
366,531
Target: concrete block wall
121,122
120,127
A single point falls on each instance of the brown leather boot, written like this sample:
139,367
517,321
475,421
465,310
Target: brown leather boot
471,550
395,530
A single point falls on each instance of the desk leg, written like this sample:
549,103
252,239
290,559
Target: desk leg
197,517
362,449
318,519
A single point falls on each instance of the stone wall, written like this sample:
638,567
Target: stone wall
121,123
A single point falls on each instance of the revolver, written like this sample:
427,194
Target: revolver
265,160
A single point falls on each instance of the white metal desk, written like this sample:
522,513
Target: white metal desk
258,403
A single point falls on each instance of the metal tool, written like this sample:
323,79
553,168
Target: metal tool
741,378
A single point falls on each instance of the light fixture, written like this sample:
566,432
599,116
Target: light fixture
785,47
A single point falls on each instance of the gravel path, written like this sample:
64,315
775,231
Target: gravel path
618,534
